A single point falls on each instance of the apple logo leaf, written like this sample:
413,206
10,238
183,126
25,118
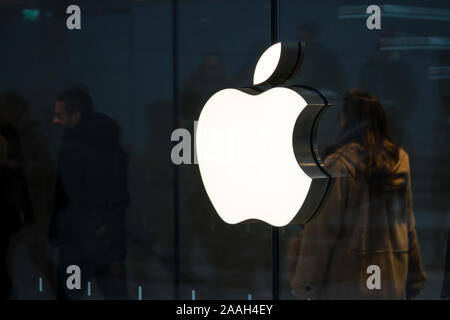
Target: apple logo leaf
279,63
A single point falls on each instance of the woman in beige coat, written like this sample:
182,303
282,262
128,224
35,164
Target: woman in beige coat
367,219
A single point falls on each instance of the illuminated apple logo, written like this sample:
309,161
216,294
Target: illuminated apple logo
256,149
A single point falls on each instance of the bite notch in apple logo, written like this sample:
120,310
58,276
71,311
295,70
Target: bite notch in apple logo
256,148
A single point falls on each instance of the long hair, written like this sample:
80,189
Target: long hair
365,122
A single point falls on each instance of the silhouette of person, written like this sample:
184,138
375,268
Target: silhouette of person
91,197
38,169
367,218
15,202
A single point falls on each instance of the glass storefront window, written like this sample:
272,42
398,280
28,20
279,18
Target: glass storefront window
150,67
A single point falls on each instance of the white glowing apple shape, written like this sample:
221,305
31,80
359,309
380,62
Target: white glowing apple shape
267,64
246,156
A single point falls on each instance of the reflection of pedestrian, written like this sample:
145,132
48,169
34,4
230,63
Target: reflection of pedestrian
33,156
367,218
92,197
15,203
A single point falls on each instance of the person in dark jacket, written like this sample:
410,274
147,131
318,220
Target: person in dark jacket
15,203
445,292
91,197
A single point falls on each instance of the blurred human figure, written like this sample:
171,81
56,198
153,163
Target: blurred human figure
367,218
91,198
38,170
15,203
